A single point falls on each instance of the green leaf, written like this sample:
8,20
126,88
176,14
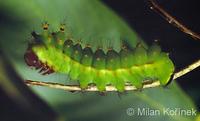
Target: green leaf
88,21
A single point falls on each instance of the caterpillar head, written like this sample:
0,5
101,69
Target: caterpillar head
31,59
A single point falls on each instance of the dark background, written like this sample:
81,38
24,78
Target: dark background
183,49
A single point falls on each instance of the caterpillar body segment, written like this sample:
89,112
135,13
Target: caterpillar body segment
130,65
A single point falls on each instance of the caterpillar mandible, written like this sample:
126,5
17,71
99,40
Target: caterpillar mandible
57,52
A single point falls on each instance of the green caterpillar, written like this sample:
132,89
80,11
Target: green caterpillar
57,52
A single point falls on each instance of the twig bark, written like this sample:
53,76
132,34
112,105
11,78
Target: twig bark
187,69
172,20
109,88
89,89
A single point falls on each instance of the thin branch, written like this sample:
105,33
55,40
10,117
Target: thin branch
187,69
172,20
89,89
109,88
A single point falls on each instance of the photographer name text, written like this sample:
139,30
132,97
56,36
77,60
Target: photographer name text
164,111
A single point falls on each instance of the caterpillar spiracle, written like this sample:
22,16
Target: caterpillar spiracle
55,52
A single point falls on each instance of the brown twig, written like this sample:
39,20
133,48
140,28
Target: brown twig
172,20
187,70
108,88
89,89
